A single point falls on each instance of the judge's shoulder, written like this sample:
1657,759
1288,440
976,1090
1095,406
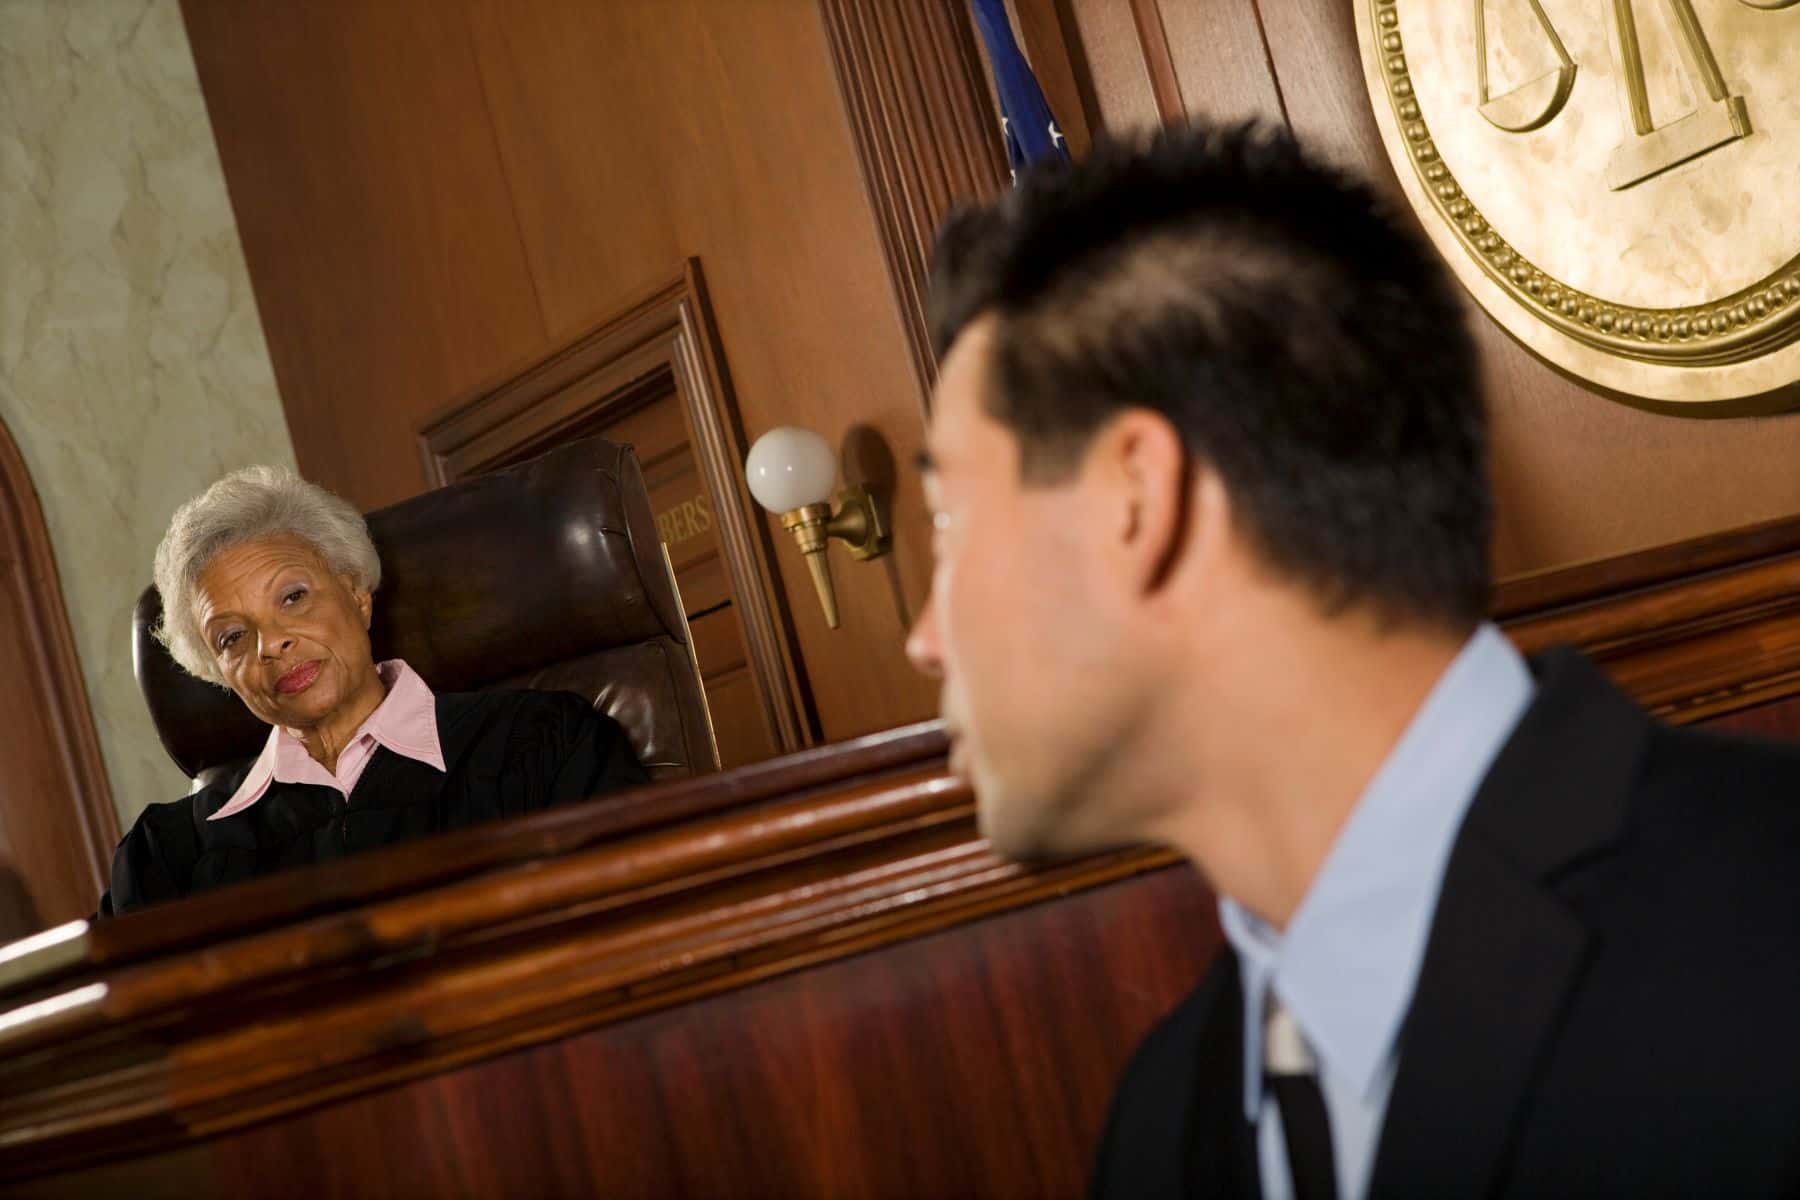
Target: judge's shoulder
553,742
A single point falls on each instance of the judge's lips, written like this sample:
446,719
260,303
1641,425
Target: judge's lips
298,679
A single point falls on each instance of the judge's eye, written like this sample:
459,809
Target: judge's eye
229,638
294,595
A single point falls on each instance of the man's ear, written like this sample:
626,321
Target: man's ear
1151,482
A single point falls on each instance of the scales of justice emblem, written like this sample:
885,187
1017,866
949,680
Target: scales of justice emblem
1613,181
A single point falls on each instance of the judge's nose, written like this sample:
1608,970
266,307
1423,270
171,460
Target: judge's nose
273,643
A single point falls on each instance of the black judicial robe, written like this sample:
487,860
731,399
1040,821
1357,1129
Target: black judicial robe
505,753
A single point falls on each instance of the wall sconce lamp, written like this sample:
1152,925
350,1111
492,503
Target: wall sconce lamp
791,471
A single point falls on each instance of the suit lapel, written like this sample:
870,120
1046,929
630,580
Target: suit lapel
1221,1144
1505,955
1503,960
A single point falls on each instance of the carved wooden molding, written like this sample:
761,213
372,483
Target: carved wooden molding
925,129
28,570
1692,630
663,342
1159,63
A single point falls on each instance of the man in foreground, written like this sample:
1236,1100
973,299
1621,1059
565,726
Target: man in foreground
1207,465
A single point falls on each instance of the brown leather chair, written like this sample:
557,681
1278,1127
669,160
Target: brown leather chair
545,575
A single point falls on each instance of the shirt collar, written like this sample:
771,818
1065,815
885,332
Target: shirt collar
1348,962
405,722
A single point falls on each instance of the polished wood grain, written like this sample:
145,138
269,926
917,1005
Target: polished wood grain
1674,563
925,129
1692,630
57,821
1159,63
1155,62
1777,721
976,1061
371,200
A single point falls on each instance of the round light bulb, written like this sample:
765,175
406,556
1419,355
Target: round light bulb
789,468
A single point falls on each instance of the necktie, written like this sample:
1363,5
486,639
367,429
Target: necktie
1292,1075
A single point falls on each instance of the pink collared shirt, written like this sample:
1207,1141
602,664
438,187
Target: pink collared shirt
405,722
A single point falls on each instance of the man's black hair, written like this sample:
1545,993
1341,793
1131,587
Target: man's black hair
1306,346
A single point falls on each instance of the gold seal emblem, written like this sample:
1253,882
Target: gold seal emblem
1616,181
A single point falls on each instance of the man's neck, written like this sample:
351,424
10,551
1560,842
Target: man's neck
1314,710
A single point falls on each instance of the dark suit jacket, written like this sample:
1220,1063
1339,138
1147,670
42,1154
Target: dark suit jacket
1609,1003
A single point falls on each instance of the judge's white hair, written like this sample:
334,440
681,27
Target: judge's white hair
251,503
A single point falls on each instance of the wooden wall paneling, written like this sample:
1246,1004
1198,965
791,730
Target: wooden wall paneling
1220,59
974,1061
977,1062
651,375
58,826
1318,69
375,219
1778,720
1692,631
1577,476
635,135
1107,35
926,134
1159,62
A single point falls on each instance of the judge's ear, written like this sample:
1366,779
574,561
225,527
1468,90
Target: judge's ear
1150,477
365,600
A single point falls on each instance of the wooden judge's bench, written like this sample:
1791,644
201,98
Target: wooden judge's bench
799,978
805,977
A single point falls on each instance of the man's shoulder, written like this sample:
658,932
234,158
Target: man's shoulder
1144,1149
1588,775
1693,759
1718,815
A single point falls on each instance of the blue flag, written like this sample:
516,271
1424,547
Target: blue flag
1029,125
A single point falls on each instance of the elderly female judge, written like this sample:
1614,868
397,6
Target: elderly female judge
268,583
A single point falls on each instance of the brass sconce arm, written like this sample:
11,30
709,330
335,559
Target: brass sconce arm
859,521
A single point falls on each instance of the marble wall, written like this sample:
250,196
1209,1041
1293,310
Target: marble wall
132,365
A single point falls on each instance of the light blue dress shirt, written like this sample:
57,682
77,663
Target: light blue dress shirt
1346,966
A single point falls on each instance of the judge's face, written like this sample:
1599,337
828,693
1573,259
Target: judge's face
1022,625
290,636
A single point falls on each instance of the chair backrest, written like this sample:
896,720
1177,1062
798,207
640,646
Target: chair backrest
545,575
